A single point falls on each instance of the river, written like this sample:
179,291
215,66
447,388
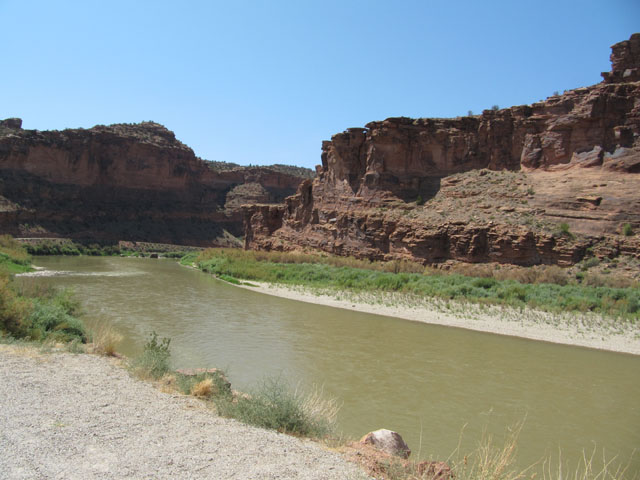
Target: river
430,383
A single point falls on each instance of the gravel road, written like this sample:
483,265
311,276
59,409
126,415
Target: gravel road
65,416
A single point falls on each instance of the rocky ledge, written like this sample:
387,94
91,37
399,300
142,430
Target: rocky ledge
544,183
124,182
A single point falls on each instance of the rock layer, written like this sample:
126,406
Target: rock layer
391,190
124,181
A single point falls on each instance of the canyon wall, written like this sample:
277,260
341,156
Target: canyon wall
540,183
124,182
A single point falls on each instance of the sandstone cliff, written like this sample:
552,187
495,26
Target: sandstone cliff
541,183
124,182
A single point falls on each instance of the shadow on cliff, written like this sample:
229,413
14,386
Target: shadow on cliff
417,189
110,214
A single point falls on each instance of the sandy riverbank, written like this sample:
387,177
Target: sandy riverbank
583,330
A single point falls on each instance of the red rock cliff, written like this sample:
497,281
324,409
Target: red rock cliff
122,182
492,187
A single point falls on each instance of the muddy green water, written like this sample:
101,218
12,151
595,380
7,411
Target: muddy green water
421,380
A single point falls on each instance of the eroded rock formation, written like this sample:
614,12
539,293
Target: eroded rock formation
514,185
123,182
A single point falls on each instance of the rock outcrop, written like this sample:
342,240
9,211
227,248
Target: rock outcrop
124,182
541,183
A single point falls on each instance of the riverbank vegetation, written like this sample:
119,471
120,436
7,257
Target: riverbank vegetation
64,246
13,257
550,289
30,311
272,404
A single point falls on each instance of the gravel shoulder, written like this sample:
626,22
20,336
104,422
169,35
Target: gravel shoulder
67,416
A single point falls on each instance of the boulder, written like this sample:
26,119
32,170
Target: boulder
387,441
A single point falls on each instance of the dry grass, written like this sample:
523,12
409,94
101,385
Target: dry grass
591,467
105,339
316,405
595,279
168,384
482,270
491,461
538,274
22,349
203,388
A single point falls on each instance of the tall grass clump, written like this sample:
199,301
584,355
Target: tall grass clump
155,359
104,339
491,460
274,405
590,467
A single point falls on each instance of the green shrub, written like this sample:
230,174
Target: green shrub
633,304
49,316
154,361
51,320
590,262
53,247
189,258
30,310
275,406
515,292
627,231
484,282
419,200
563,229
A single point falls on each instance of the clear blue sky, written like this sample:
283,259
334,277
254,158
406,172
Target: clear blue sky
266,81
